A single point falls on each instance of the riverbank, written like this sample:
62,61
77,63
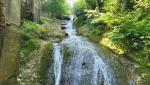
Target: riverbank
36,52
137,66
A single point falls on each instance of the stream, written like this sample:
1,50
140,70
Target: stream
85,64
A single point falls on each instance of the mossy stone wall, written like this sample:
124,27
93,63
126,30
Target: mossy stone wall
30,10
9,41
9,56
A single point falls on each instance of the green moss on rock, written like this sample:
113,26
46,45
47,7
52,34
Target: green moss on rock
67,53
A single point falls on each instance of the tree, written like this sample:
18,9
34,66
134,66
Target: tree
125,5
91,4
99,4
56,7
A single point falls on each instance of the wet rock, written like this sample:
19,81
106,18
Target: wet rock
66,34
63,27
63,23
65,17
83,63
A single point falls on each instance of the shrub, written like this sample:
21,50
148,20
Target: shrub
28,30
29,38
132,33
32,30
30,33
29,46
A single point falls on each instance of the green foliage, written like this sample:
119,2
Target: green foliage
125,5
29,46
29,40
79,7
134,34
91,4
105,19
27,29
30,33
32,30
110,5
124,22
57,7
130,31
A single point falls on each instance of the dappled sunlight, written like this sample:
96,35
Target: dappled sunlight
115,48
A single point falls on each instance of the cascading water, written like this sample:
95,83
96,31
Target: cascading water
58,58
86,64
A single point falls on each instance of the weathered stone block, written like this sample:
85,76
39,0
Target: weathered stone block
30,10
14,11
9,55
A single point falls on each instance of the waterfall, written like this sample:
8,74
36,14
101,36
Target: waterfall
58,58
86,64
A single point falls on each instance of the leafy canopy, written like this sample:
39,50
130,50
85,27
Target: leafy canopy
57,8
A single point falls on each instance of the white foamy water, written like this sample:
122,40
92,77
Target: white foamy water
85,65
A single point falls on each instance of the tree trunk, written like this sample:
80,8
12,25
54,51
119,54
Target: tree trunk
99,4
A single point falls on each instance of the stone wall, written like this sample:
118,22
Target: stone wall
26,10
9,41
2,23
11,14
30,10
9,56
36,10
14,11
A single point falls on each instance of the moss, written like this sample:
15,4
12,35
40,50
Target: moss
46,62
67,53
60,37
